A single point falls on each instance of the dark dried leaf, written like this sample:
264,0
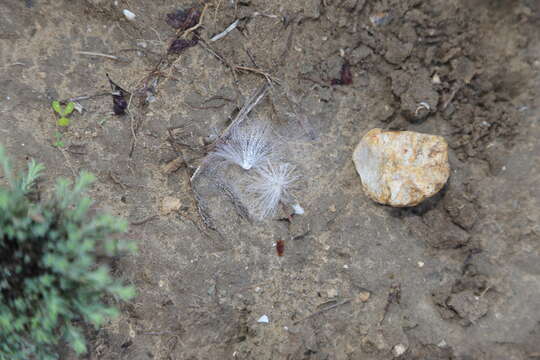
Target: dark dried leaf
180,45
345,75
280,247
120,103
182,20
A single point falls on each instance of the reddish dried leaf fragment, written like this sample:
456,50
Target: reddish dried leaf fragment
345,75
180,45
280,247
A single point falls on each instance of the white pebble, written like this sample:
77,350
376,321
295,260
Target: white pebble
128,14
399,350
263,319
420,264
442,344
298,210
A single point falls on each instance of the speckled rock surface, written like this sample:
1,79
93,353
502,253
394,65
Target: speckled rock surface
401,168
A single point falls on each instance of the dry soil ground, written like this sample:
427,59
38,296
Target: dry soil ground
455,278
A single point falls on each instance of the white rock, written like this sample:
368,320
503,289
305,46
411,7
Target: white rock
128,14
263,319
298,210
399,350
401,168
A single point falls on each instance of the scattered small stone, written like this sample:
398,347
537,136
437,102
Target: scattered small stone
420,264
263,319
128,14
442,344
379,19
399,350
364,296
332,293
401,168
169,205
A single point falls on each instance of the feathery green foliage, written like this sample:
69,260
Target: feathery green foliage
49,277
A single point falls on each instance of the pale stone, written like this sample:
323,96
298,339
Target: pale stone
170,205
399,350
401,168
363,296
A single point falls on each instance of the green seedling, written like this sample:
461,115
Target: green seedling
63,111
59,143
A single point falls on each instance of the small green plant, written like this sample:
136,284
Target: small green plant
49,276
63,111
58,140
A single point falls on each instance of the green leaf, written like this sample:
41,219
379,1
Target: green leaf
75,339
68,109
57,107
124,292
63,121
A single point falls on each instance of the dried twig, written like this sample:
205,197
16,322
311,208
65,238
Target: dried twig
144,220
455,88
116,180
173,165
333,306
240,208
226,31
394,297
265,74
222,59
199,24
85,97
113,57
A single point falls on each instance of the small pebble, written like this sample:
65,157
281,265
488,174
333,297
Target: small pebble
128,14
399,350
364,296
442,344
420,264
263,319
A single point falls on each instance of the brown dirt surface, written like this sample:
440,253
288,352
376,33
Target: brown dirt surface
457,277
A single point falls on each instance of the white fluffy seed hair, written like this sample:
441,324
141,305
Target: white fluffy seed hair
270,185
248,146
